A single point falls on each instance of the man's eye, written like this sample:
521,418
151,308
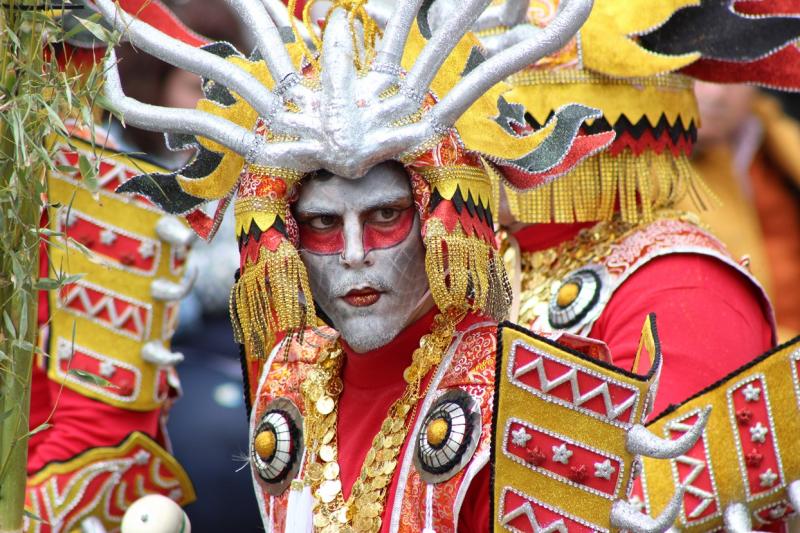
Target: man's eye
323,222
385,215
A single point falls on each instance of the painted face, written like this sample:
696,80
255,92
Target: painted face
360,241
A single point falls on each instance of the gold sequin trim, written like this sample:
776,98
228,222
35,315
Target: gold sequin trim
436,175
573,76
542,270
287,174
464,272
388,93
252,204
412,155
413,118
362,512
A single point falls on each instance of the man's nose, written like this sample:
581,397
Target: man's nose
354,255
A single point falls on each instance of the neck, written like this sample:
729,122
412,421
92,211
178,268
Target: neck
385,365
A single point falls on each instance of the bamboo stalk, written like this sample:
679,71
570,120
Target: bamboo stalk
20,186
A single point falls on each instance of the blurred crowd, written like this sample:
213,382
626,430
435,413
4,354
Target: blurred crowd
748,153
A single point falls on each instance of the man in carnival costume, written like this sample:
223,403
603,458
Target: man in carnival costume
108,383
373,158
603,246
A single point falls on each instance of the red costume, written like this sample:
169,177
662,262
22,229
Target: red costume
105,389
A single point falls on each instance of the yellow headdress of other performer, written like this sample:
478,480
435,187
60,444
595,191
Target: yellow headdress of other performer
636,60
431,102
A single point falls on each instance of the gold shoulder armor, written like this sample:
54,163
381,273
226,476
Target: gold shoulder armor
744,472
568,436
117,319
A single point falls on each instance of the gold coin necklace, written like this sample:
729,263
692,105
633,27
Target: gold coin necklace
321,390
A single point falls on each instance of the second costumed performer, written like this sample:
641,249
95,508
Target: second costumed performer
361,170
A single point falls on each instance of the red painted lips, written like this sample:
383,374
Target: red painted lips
362,297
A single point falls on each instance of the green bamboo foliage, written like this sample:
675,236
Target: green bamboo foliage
36,99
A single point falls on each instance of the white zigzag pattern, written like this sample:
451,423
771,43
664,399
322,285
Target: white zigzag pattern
527,510
697,468
106,303
116,171
578,399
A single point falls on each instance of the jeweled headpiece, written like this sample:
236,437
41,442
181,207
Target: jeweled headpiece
636,60
431,102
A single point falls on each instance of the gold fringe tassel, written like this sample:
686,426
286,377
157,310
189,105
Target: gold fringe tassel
266,300
465,273
639,184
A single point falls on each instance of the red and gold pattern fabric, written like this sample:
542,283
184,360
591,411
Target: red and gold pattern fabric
622,256
746,455
115,321
566,427
97,486
416,501
470,369
282,374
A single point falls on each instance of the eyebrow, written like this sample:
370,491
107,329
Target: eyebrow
397,201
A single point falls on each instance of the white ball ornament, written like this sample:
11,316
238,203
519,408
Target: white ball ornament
155,513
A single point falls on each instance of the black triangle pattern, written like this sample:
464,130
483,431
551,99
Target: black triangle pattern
475,209
254,233
636,130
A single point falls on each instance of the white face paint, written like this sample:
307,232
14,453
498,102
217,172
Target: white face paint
361,243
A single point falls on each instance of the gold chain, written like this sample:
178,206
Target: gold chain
541,269
321,390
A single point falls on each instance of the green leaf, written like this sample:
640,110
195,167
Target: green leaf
47,284
91,378
23,320
54,118
95,29
106,104
12,331
38,429
88,173
71,278
47,232
66,88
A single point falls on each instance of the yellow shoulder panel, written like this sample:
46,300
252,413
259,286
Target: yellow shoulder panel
749,453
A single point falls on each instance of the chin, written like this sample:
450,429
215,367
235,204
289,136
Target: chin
368,328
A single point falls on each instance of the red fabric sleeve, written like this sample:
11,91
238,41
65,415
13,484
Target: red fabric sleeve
474,514
80,423
710,318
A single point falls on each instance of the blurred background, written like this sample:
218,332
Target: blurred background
748,152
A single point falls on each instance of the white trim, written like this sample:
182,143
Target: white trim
266,516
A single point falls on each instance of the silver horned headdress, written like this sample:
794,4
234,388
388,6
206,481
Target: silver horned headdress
429,100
